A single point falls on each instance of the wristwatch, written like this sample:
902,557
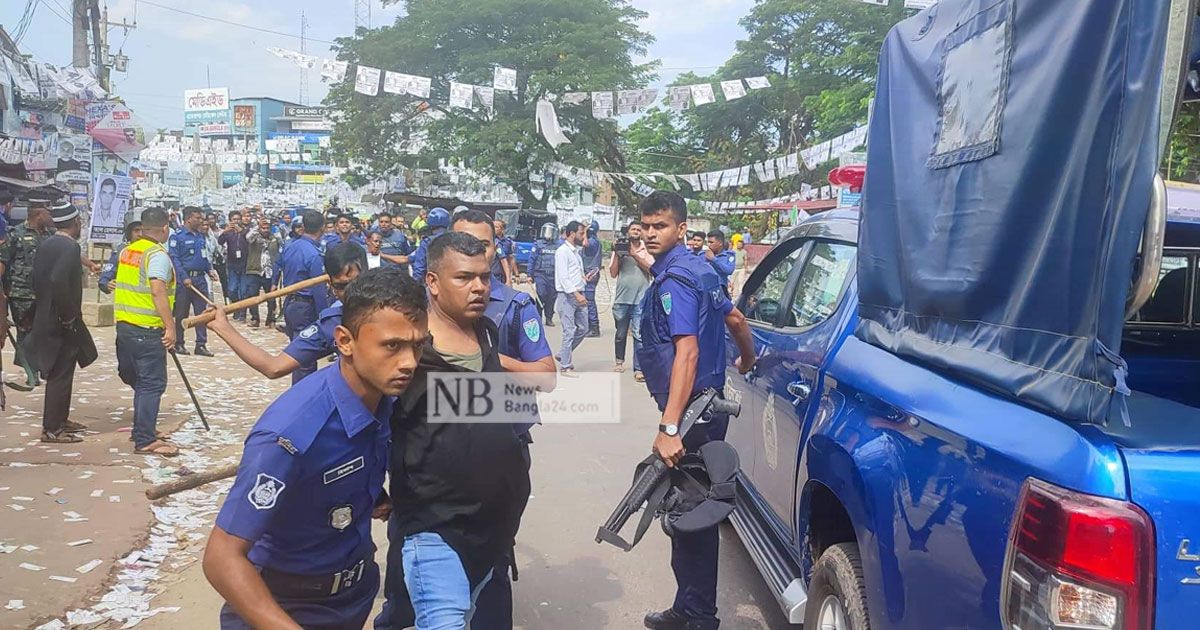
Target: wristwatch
671,430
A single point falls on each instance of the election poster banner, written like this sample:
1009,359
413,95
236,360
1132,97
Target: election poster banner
110,200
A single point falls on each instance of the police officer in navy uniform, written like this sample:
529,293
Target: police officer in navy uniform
541,267
292,544
343,263
302,259
438,222
593,258
684,316
188,250
721,259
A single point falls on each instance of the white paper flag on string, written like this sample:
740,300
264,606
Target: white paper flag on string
395,83
487,97
419,86
646,99
693,180
547,123
627,101
574,98
702,94
882,3
602,104
758,83
679,97
743,176
505,79
333,70
733,89
461,95
366,80
919,4
790,165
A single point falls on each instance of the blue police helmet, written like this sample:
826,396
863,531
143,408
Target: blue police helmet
438,218
549,231
594,228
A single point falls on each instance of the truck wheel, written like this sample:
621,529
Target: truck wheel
837,598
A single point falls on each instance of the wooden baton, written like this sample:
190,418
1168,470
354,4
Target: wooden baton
191,481
250,302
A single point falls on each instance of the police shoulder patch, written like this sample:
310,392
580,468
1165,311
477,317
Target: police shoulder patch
307,333
665,298
532,329
265,492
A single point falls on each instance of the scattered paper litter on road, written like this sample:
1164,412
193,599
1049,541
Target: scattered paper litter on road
30,548
23,499
15,604
86,568
114,498
51,625
72,515
97,493
87,474
31,567
54,491
75,520
61,578
5,488
122,481
16,507
7,548
80,617
79,543
72,454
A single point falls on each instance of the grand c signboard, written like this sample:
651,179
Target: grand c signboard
304,113
206,106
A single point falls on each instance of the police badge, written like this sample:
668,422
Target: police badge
340,517
532,330
666,302
308,332
265,492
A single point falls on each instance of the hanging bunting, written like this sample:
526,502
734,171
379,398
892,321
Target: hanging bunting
574,98
733,89
504,79
334,71
627,101
394,83
602,104
702,94
679,98
366,80
487,97
461,95
758,83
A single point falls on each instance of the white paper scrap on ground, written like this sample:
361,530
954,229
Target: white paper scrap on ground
61,578
79,543
31,567
15,507
97,493
86,568
81,617
15,604
54,491
114,498
51,625
30,548
23,499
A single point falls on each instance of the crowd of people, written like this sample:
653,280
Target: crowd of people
391,302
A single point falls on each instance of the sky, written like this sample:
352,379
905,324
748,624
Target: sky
170,51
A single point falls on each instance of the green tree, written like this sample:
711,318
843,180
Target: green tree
555,47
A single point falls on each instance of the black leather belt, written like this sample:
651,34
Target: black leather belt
316,586
197,274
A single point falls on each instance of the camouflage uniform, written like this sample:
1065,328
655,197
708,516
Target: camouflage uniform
17,255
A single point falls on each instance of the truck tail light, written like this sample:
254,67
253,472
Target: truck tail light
1078,561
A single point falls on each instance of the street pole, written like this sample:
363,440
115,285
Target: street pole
79,37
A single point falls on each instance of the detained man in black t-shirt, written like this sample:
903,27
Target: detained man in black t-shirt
459,489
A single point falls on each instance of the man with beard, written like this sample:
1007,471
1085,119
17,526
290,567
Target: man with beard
292,544
459,489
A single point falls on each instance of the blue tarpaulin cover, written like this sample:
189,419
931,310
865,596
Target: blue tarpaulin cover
1011,157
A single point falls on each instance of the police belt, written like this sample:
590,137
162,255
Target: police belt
301,296
295,586
197,274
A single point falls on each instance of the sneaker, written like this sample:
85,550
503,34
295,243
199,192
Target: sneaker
181,350
568,373
202,351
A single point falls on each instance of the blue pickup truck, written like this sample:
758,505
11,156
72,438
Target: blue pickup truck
964,413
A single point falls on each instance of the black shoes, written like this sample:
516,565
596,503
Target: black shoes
671,620
180,350
202,351
594,332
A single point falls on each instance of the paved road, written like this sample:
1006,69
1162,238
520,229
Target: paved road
566,579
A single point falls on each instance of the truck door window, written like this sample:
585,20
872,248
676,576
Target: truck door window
763,305
821,282
1169,302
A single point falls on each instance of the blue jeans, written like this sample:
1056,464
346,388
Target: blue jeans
252,283
574,319
142,364
442,595
628,316
236,289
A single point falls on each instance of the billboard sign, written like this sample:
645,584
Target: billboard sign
206,105
243,118
306,113
312,125
215,129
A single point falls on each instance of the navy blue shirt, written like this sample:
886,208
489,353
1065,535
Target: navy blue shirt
395,243
723,264
237,249
316,342
312,472
516,316
301,260
332,238
188,252
418,257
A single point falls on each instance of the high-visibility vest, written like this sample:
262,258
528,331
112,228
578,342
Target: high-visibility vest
132,301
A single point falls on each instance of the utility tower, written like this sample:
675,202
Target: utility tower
362,14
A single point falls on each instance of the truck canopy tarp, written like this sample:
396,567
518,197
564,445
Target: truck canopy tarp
1011,156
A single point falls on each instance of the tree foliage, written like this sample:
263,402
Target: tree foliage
556,46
